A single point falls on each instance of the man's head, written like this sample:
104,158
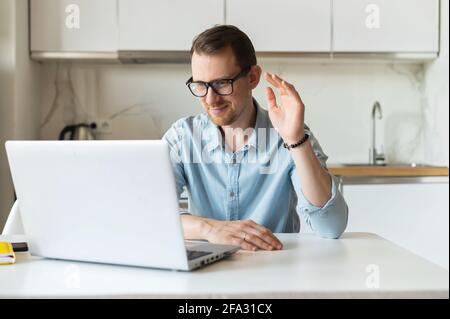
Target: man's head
224,53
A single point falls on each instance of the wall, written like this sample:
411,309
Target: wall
26,80
143,100
6,99
19,90
436,99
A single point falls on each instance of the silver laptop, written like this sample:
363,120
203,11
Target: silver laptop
104,201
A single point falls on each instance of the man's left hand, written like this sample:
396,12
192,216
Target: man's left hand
287,117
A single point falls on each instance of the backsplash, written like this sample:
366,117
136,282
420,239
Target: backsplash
141,102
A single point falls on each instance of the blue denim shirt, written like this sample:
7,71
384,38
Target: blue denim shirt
258,182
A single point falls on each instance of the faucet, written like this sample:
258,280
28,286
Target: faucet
375,158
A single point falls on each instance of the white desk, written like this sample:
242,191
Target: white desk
308,267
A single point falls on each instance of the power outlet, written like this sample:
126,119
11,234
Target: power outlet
104,126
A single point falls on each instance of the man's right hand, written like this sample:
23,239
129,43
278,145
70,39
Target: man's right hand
244,233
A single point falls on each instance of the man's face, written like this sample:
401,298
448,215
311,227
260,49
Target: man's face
222,110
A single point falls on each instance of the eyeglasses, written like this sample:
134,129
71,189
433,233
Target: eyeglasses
220,87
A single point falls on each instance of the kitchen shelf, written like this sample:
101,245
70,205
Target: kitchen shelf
391,170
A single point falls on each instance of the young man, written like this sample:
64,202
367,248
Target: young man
248,170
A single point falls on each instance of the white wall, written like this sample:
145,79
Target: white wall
436,99
26,80
19,90
143,100
338,99
6,99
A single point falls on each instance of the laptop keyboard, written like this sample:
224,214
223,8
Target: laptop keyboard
192,254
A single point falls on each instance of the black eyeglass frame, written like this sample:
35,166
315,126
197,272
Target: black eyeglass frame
208,85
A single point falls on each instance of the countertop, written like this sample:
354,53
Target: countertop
390,170
359,265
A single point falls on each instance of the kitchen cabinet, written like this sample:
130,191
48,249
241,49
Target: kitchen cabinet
73,26
386,26
149,25
284,25
414,215
150,30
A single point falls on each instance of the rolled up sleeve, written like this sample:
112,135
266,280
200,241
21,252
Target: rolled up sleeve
330,220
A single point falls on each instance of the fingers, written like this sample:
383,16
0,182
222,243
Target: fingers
255,234
234,239
266,234
246,245
290,89
271,99
256,240
283,86
275,81
246,234
226,236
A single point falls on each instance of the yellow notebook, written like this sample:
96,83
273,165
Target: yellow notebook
7,255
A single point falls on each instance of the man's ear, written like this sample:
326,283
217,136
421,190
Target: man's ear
254,76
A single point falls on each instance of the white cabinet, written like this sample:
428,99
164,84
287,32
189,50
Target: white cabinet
414,216
73,25
170,25
283,25
305,26
386,26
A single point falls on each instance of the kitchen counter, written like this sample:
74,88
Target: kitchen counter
359,265
386,171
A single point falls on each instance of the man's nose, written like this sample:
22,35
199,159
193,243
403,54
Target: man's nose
212,97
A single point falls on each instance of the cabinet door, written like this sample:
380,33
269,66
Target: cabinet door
385,25
165,25
414,216
73,25
283,25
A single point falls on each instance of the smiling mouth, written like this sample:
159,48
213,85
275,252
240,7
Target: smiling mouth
216,110
218,107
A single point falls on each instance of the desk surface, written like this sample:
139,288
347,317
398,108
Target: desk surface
358,265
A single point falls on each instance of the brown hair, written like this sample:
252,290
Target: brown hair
220,37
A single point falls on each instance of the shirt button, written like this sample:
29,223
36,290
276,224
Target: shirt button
231,194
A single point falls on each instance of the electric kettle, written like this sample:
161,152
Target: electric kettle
81,131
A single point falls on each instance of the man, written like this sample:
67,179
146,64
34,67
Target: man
234,198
